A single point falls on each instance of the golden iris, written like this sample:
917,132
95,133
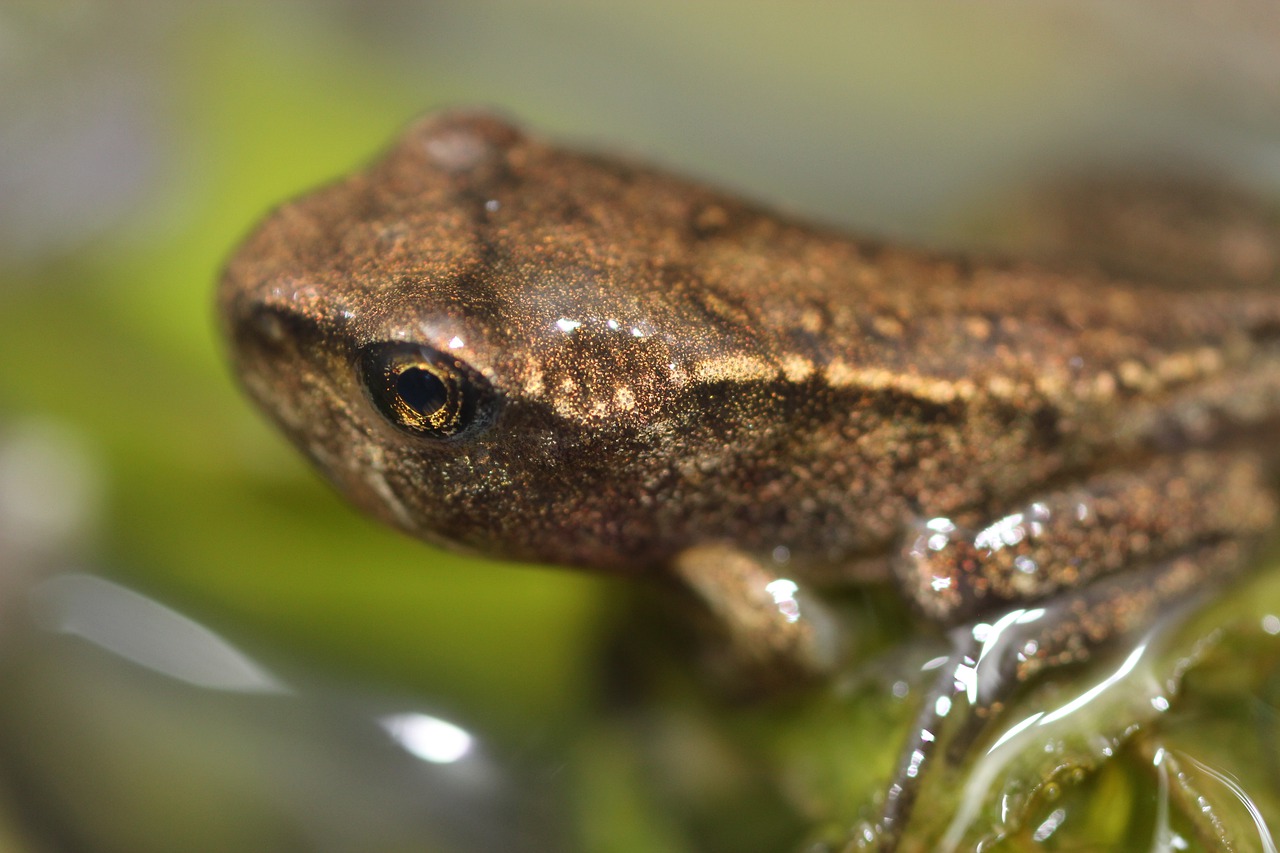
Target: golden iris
423,391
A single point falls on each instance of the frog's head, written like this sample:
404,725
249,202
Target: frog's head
492,343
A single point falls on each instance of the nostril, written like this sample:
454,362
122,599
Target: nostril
268,326
272,328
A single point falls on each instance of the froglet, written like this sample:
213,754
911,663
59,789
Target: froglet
503,346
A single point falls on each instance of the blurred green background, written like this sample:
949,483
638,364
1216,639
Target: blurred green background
140,140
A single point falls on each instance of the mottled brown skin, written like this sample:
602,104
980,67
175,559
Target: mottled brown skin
680,382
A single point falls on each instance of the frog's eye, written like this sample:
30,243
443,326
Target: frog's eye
425,392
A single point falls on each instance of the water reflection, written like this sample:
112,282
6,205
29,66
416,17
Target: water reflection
147,634
986,677
1050,825
127,725
430,738
1170,764
1052,728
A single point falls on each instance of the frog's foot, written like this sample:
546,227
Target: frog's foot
1070,538
1071,572
775,631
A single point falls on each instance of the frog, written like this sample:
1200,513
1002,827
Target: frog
531,352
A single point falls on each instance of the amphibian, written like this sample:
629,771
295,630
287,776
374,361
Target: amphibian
504,346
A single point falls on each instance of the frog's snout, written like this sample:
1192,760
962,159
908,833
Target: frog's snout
258,333
283,344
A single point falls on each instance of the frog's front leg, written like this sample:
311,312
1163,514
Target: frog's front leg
775,631
1047,585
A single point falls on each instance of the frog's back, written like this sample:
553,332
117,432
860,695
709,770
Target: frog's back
904,382
859,314
998,375
739,293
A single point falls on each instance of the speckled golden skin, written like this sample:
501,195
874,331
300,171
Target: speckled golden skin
670,381
674,367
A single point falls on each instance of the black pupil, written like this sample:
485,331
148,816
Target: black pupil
421,390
